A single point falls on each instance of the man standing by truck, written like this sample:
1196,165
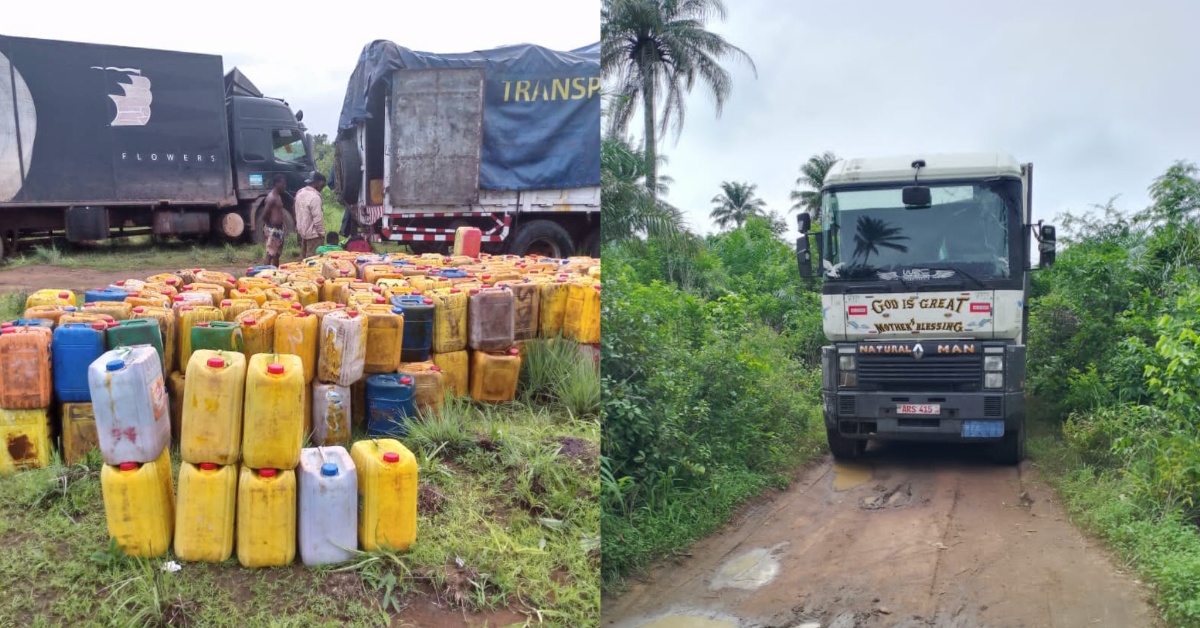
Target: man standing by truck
310,218
273,219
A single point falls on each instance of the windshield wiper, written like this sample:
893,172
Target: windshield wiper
958,272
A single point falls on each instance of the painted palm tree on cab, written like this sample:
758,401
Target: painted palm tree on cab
871,234
735,204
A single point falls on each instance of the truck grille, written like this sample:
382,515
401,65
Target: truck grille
953,373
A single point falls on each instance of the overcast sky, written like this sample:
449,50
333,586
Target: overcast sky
305,51
1102,96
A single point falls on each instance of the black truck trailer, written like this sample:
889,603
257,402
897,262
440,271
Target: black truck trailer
101,141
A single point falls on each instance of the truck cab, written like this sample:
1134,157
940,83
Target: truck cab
925,263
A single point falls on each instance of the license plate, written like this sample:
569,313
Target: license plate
918,408
982,429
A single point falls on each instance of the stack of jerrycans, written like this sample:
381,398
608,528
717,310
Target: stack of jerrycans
210,446
272,435
341,363
495,361
129,399
25,395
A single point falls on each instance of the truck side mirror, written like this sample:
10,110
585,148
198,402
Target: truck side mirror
803,257
803,223
1047,246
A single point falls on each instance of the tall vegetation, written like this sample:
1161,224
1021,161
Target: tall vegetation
656,51
1114,360
806,197
736,202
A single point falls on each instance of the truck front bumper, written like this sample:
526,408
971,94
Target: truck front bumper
873,415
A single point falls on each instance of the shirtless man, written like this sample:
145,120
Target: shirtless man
273,217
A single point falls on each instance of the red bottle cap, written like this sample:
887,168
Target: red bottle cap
514,351
217,363
266,473
139,309
107,318
352,313
112,324
188,288
242,290
436,369
98,326
128,466
406,380
485,277
248,322
171,281
297,307
302,314
474,290
341,306
208,466
285,294
416,293
391,456
275,368
178,297
185,308
202,324
65,295
119,283
226,303
455,291
380,300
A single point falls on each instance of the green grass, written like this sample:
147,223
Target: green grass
670,519
509,522
1156,542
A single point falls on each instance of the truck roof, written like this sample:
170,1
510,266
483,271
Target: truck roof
937,166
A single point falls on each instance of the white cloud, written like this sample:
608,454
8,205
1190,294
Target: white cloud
304,51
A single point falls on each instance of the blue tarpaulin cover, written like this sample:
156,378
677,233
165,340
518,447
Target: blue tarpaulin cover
541,109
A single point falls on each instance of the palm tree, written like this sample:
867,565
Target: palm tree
736,203
659,48
626,205
873,233
812,176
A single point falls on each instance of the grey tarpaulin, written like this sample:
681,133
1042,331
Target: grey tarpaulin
541,117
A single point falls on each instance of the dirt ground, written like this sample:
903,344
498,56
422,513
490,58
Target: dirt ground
915,535
37,277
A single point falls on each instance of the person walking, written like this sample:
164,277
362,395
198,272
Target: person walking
273,219
310,218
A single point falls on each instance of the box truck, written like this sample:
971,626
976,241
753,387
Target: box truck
99,141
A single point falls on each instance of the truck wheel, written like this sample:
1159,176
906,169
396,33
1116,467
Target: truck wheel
844,448
1011,449
347,173
542,237
591,244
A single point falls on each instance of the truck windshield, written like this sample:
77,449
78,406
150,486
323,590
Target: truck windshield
289,145
870,233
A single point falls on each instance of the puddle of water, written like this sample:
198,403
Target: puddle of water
847,476
751,570
690,621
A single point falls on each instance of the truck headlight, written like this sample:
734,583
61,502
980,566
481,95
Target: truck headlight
846,362
847,379
993,363
993,380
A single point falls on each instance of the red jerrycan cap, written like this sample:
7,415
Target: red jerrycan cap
436,369
286,294
202,324
112,324
406,380
217,363
226,303
391,456
99,325
266,473
474,290
208,466
416,293
380,300
119,283
297,307
65,295
427,301
514,351
275,368
352,313
139,309
341,306
178,297
248,322
128,466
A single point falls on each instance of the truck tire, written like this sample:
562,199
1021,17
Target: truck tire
230,226
347,173
844,448
541,237
591,244
1011,449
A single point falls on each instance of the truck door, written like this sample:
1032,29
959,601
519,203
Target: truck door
435,136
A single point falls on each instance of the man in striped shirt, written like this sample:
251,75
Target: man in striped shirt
310,218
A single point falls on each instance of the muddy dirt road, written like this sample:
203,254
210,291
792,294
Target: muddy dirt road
916,535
